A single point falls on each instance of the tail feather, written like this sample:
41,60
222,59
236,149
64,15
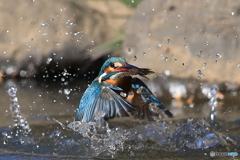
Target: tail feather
152,112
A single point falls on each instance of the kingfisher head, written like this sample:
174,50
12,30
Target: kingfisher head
116,67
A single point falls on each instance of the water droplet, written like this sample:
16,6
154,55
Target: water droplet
123,94
169,41
135,58
232,13
200,74
60,91
45,25
76,33
175,60
165,58
191,105
218,56
67,91
7,31
144,53
167,72
129,50
204,65
159,45
200,54
238,65
23,73
49,60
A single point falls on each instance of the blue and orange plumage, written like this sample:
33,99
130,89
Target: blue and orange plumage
118,94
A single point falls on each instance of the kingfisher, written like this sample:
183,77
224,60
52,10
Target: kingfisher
118,92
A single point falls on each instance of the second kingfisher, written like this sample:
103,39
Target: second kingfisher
118,93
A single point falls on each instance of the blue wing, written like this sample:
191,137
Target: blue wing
101,97
147,98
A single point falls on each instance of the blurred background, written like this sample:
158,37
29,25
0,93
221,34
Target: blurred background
189,39
51,50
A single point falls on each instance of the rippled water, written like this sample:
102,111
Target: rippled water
49,109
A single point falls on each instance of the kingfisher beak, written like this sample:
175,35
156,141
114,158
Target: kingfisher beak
133,70
127,67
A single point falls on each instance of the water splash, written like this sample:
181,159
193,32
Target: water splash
213,101
195,134
20,122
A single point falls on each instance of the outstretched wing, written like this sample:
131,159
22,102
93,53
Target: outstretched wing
99,98
147,102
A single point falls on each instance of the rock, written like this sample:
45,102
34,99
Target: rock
190,39
47,35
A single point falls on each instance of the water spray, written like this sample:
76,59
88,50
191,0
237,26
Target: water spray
19,121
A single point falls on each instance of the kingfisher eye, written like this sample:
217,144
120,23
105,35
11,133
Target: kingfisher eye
112,65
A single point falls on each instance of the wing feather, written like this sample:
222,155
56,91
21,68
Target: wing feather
100,97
